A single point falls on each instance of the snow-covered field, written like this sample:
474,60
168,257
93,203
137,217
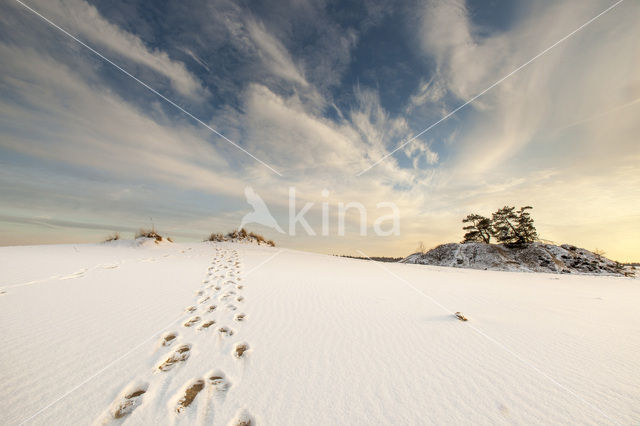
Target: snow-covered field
327,340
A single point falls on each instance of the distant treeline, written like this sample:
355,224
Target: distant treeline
377,259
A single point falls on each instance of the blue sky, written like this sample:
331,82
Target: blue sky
319,91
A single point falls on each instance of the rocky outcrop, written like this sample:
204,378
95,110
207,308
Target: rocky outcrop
534,257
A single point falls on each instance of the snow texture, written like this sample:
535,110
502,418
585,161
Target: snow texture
238,334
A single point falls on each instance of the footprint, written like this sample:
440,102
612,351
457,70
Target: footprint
231,307
212,308
190,309
243,418
180,355
109,266
168,339
239,286
129,403
240,317
219,382
192,321
78,274
206,325
204,299
240,349
189,395
240,299
225,331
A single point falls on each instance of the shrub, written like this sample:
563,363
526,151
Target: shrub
113,237
215,237
149,233
239,235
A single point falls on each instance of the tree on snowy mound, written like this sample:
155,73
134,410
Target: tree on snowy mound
479,230
507,225
513,227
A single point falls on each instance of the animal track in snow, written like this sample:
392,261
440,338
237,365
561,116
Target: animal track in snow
240,299
240,317
212,308
109,266
204,299
231,307
129,402
192,321
77,274
180,355
190,308
189,395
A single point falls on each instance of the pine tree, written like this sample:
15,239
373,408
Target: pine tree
504,223
479,230
526,231
511,227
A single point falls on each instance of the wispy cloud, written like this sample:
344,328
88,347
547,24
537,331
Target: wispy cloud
285,83
84,20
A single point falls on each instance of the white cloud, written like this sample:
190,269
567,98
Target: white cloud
559,87
417,151
81,125
274,55
84,20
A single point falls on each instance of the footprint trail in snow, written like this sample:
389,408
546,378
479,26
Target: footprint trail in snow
202,338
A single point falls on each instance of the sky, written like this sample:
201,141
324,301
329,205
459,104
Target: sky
319,92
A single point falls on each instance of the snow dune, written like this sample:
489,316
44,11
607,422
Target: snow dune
124,333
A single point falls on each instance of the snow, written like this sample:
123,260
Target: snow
534,257
328,340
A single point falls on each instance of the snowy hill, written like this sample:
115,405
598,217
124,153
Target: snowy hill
231,334
535,257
